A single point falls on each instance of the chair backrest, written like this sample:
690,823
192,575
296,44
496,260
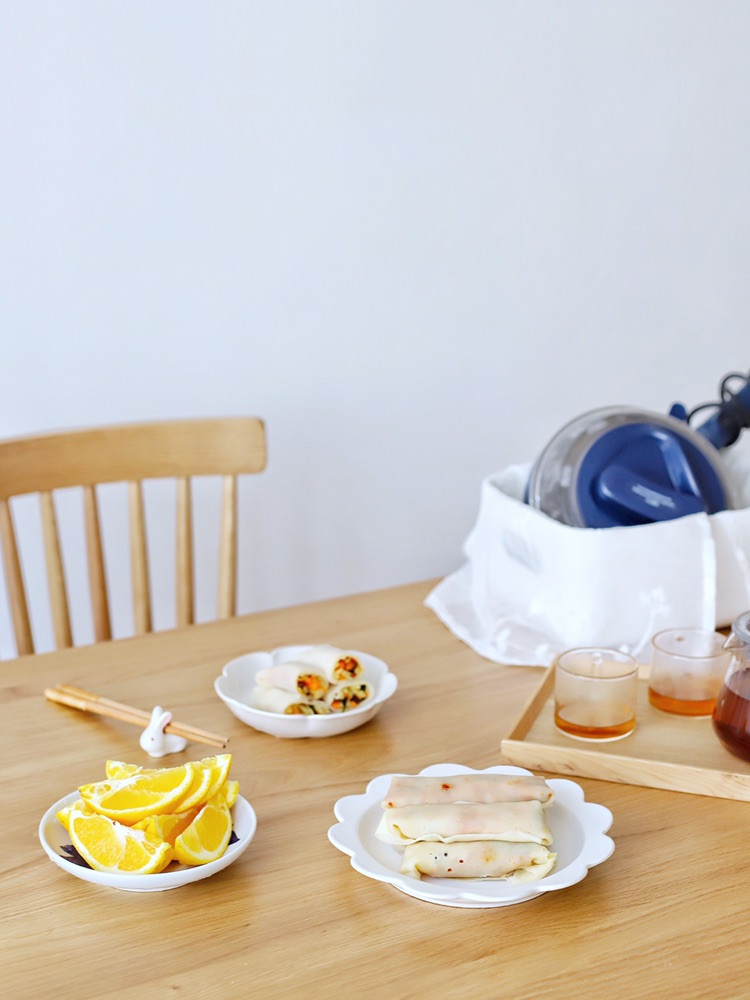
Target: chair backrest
177,449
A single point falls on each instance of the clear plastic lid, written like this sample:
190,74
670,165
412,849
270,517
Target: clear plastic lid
563,481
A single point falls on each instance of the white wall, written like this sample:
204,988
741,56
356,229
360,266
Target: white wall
416,237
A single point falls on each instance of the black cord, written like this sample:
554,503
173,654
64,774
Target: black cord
725,393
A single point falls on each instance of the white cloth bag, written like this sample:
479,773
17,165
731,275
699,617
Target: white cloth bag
532,587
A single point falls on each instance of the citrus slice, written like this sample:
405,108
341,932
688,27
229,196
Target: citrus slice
198,793
230,790
167,826
119,769
63,815
219,767
211,773
206,838
108,846
145,793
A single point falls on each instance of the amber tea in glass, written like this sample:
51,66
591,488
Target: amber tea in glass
596,691
687,670
731,717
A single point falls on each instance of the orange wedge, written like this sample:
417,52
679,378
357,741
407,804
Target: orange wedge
207,837
119,769
197,794
167,826
63,815
230,790
145,793
108,846
219,767
210,775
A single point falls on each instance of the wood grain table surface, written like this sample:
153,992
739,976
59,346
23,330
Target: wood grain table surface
664,916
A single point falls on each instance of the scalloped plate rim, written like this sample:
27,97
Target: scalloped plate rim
594,821
301,726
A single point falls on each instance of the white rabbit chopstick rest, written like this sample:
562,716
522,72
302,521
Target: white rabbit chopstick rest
155,741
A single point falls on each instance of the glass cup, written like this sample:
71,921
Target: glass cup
687,670
596,691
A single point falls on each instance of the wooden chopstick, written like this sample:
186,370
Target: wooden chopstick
178,728
87,701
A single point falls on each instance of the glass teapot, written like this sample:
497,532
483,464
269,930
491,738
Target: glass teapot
731,716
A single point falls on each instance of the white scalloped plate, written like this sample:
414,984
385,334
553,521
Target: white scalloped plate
237,679
578,838
54,836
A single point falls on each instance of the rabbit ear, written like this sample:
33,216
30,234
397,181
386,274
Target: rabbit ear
161,717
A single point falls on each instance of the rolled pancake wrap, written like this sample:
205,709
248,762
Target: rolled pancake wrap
271,699
516,822
347,695
296,677
335,664
479,859
416,790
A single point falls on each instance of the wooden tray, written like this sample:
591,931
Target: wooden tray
664,751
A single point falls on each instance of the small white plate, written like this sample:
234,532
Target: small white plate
578,838
237,681
54,836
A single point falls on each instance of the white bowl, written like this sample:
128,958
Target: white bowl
54,836
237,681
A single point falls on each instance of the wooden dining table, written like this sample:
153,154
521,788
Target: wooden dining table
664,916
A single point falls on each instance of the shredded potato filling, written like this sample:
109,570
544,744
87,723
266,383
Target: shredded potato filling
347,667
311,685
350,697
302,709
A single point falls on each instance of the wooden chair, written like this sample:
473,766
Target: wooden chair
178,449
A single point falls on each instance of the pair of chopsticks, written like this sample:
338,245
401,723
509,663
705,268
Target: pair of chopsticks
86,701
